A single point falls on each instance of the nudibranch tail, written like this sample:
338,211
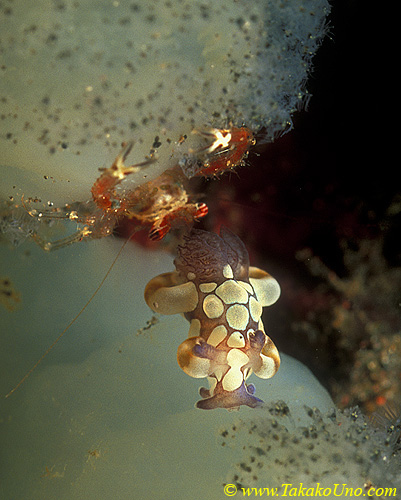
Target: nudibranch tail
228,399
222,297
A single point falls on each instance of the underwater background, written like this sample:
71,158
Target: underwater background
109,413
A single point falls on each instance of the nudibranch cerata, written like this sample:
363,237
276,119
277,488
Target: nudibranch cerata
222,297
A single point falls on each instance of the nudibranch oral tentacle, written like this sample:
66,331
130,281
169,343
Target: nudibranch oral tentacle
222,297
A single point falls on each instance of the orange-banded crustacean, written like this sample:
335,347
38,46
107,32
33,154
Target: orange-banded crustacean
222,297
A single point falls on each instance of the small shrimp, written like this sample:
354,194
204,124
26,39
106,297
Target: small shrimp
160,203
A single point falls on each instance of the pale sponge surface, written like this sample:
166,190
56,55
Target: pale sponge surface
110,414
78,78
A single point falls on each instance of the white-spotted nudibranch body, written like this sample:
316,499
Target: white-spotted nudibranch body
222,297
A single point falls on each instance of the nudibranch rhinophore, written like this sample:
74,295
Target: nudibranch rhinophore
222,297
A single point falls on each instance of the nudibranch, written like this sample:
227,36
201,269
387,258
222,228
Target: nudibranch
222,297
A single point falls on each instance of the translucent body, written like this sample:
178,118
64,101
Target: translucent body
159,203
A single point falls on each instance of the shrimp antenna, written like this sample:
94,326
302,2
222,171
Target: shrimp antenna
73,320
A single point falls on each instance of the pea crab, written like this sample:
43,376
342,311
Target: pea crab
222,297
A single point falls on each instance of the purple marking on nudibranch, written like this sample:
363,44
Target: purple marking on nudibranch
257,340
204,350
232,399
222,297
